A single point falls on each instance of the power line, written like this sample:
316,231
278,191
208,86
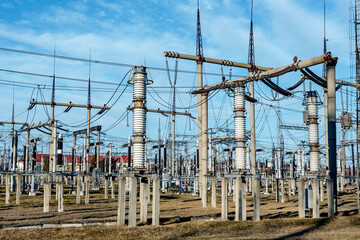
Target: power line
97,61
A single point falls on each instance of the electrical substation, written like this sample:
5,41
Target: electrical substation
68,165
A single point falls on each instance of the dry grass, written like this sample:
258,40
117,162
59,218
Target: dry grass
324,228
178,215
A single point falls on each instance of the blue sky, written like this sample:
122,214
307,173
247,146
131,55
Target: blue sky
137,32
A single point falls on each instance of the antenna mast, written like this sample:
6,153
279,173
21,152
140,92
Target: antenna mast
251,56
53,83
199,47
357,101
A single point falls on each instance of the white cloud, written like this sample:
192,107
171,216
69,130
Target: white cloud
7,5
110,6
283,29
60,15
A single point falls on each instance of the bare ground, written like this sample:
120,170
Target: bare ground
182,217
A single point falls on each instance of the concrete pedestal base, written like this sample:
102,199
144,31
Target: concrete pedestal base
7,189
256,190
224,199
316,201
121,202
47,195
213,192
132,202
301,198
156,202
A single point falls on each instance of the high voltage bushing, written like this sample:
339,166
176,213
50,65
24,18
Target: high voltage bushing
312,114
139,81
240,123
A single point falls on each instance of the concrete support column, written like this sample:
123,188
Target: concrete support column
277,190
232,189
57,188
32,191
331,106
132,202
47,189
112,189
204,191
330,197
282,190
301,198
321,190
42,180
250,186
204,142
61,197
18,188
238,199
106,187
224,198
78,186
341,183
267,186
7,188
164,183
213,192
87,189
256,194
200,130
156,202
143,201
243,199
83,180
121,201
293,187
196,185
316,202
148,192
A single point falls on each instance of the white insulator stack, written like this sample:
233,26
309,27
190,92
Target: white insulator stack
278,166
299,163
312,105
248,158
338,163
240,123
139,80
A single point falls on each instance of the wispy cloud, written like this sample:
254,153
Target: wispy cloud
130,32
110,6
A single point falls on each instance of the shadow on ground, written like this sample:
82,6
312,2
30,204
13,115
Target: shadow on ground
319,223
